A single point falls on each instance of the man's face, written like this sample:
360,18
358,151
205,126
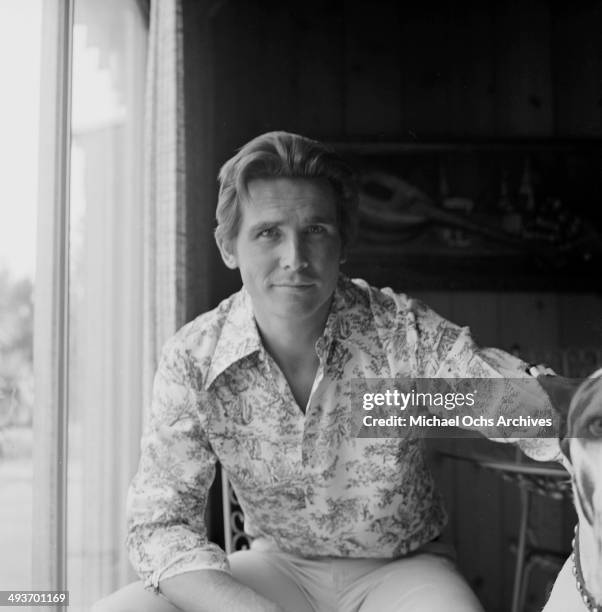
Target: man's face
288,247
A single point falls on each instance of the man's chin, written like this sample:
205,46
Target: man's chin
294,306
294,310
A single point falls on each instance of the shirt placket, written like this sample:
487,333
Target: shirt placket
311,424
290,410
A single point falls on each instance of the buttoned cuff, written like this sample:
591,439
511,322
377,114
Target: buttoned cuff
190,561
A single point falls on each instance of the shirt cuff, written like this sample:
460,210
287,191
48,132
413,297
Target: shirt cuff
190,561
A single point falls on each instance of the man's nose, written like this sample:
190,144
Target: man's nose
293,255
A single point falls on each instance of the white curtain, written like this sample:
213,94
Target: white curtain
107,255
129,267
165,182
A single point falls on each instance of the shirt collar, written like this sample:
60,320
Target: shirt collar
332,327
239,335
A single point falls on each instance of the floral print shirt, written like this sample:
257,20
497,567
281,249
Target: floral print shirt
303,480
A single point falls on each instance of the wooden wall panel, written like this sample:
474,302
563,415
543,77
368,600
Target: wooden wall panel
479,311
271,54
580,320
372,92
528,321
425,70
200,161
335,68
235,52
523,84
440,301
471,49
255,72
577,60
372,78
447,55
321,67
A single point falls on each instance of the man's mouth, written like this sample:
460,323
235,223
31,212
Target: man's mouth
294,284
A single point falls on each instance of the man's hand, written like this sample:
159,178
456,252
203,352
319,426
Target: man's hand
212,590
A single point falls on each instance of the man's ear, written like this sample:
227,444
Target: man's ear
227,251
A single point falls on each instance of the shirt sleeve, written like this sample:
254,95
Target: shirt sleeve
450,352
167,497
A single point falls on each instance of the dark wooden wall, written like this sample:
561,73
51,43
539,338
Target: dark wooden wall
484,510
414,72
382,70
429,69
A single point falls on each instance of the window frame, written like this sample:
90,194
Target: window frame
51,344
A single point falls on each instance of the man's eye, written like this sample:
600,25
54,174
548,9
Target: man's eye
268,232
316,229
594,427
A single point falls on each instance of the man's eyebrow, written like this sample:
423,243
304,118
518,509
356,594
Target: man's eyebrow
261,225
321,219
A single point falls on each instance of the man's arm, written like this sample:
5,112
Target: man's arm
210,590
167,539
167,496
447,351
518,394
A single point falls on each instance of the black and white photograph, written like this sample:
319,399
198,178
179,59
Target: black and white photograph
301,306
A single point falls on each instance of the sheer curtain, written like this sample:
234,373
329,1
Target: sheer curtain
130,271
124,250
105,295
165,180
180,169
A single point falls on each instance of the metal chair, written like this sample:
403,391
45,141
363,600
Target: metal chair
235,537
548,480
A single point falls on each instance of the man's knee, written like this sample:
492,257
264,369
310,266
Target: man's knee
104,605
133,598
100,606
116,604
420,583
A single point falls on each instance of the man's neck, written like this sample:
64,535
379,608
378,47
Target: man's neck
292,341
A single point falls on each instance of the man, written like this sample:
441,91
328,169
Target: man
262,384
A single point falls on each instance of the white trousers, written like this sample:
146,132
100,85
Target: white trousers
423,582
427,581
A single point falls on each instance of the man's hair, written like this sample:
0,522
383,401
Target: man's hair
284,155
